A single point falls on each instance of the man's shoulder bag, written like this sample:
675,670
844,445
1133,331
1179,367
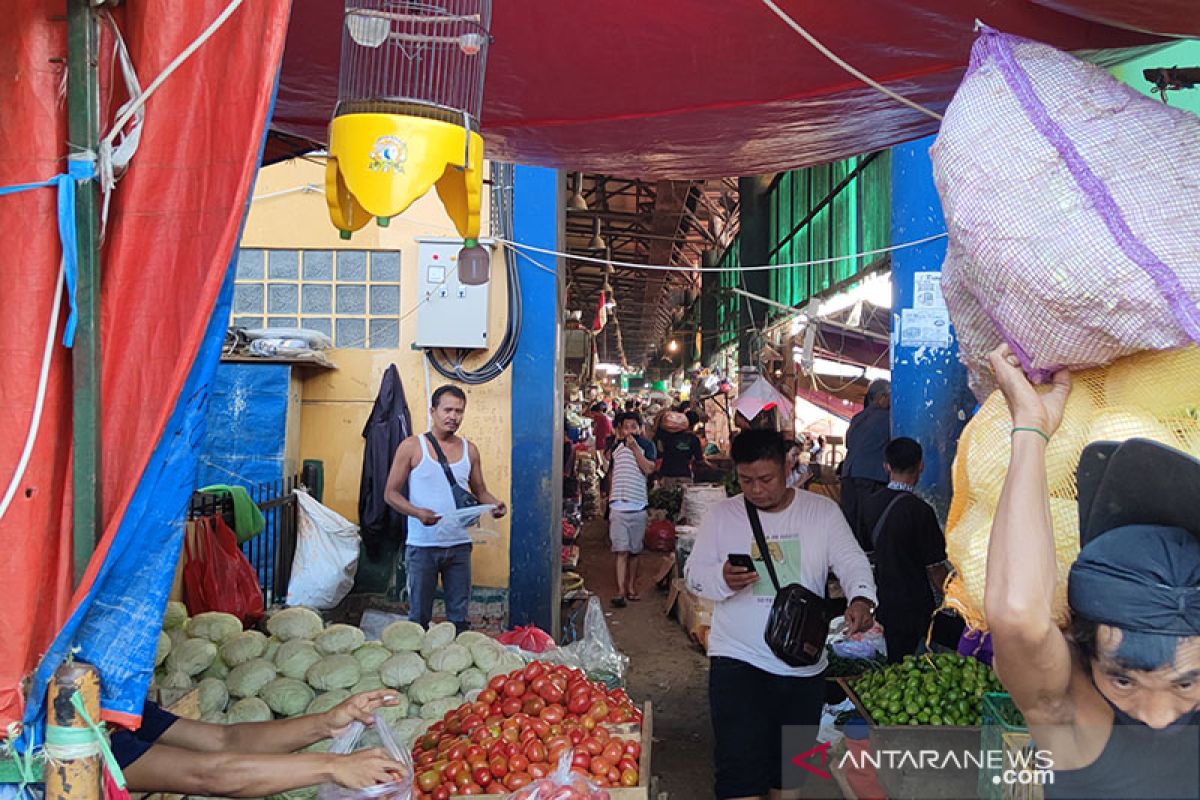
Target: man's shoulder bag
462,497
799,620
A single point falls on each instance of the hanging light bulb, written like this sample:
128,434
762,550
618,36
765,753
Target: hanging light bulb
577,202
597,242
673,346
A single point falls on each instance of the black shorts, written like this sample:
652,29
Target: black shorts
750,708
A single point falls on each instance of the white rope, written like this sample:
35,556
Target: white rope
308,188
752,268
825,51
40,398
111,160
61,753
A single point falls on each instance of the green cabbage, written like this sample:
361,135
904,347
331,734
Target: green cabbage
433,686
163,649
327,700
393,714
367,683
215,626
401,669
437,637
472,679
175,616
436,709
371,655
175,679
247,680
339,639
214,695
402,636
407,730
287,697
217,669
468,638
486,654
294,658
243,647
334,672
192,657
295,623
451,658
215,718
249,709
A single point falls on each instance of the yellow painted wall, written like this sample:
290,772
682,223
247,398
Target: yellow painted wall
336,403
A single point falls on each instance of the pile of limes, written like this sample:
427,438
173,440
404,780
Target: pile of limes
943,689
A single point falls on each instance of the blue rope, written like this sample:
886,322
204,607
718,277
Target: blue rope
79,168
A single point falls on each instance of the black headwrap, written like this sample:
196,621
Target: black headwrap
1143,578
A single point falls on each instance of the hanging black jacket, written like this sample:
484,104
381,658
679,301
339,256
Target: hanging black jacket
389,424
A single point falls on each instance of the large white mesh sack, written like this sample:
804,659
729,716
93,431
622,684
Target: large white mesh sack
1071,203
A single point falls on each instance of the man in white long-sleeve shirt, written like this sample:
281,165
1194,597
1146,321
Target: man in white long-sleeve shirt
752,693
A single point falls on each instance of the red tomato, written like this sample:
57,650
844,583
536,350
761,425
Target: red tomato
626,762
579,703
612,751
580,758
482,775
427,780
633,749
600,765
539,770
599,710
497,683
462,779
514,688
475,754
518,763
537,683
577,735
512,749
471,789
511,706
534,670
441,793
515,780
592,746
552,693
588,722
498,767
629,777
533,706
541,728
457,752
552,714
535,751
488,696
601,733
450,773
480,734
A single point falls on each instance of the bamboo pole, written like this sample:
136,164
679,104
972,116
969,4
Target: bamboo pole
73,779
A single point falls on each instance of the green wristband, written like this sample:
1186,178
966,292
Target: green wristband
1039,432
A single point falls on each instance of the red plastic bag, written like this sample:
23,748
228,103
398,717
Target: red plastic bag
217,576
660,536
530,638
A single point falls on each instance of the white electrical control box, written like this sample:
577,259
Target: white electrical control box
451,314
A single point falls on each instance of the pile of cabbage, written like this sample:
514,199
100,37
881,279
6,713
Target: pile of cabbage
302,666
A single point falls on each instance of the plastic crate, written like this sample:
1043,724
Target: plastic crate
1004,732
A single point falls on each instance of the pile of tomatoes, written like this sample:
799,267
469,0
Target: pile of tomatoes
518,730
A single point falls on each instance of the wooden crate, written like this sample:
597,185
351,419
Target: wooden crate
901,782
645,735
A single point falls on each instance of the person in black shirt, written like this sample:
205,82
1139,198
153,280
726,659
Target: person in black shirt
910,550
678,454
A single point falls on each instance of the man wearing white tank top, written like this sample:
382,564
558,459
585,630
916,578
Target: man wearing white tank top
436,546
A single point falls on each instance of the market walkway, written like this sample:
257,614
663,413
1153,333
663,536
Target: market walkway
666,668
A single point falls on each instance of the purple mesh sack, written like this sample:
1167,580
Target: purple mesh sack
1073,208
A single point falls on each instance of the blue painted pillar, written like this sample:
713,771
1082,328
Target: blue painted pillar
930,398
535,550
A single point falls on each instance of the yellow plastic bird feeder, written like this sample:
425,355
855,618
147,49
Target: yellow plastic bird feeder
410,95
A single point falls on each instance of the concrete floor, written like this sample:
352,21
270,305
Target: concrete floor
666,668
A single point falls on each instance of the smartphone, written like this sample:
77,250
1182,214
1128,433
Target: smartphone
742,560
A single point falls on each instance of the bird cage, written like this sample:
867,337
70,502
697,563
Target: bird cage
410,95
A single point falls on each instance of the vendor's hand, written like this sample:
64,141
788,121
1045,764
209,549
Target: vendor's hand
1029,407
358,709
738,578
860,616
365,768
428,518
500,510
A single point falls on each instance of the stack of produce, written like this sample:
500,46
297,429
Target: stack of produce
946,689
843,667
588,471
1149,396
306,667
519,728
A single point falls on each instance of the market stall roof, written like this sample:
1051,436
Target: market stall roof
707,88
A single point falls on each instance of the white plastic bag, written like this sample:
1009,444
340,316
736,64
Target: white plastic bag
326,555
352,739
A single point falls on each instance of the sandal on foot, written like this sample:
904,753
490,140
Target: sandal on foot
618,602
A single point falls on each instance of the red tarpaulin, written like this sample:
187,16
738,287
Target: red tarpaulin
173,227
702,88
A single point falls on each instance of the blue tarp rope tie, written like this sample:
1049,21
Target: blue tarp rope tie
80,167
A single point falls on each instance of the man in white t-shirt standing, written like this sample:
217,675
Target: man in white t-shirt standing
753,695
631,461
436,546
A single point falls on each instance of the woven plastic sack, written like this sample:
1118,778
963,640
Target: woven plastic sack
1149,396
1070,200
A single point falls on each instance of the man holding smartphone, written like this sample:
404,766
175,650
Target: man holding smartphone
631,462
752,693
